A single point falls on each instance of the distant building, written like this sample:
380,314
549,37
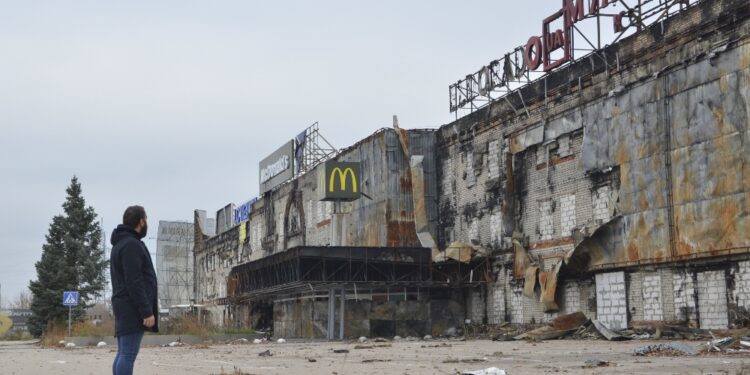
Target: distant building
174,262
99,314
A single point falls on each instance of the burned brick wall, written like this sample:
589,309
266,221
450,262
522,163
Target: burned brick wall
293,215
638,155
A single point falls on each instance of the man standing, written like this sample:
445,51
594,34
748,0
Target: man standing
134,294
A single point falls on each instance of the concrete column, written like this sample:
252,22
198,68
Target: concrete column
341,314
331,314
337,225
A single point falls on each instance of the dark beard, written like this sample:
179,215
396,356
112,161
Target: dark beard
144,231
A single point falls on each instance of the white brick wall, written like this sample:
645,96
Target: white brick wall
601,204
496,313
742,285
496,229
652,298
471,178
572,297
515,303
546,223
635,295
475,306
493,159
541,155
684,296
611,300
712,300
567,214
563,146
474,231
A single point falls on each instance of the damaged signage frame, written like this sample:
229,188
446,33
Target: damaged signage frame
277,168
557,45
339,181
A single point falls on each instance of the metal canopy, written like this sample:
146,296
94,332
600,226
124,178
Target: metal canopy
310,269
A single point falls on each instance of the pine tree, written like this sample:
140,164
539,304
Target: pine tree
72,259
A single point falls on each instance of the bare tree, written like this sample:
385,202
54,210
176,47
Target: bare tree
22,301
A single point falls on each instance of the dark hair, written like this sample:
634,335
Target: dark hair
133,216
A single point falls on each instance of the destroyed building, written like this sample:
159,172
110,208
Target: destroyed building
617,185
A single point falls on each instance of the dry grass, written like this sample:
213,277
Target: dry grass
187,325
16,336
56,332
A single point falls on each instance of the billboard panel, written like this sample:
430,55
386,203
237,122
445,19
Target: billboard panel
277,168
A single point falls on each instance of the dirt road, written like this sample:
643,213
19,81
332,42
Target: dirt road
420,357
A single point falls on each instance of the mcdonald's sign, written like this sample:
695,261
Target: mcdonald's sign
339,181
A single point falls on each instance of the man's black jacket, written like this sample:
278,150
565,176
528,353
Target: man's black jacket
134,291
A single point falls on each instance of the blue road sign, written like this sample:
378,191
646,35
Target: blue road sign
70,298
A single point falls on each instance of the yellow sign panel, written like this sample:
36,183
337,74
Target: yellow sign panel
342,175
243,232
340,181
5,324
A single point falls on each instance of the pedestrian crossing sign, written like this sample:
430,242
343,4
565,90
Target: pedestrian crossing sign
70,298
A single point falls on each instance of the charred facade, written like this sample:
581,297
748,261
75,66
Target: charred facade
617,185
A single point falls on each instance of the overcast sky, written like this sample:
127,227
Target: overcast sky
171,104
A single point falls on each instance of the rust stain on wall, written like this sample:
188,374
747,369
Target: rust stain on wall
405,182
402,234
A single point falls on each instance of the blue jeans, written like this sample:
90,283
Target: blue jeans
127,350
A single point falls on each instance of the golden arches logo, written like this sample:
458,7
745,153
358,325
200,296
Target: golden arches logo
342,179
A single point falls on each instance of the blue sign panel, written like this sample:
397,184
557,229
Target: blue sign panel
242,213
70,298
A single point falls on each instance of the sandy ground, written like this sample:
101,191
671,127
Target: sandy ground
421,357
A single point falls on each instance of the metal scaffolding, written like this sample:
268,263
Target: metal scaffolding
174,263
312,149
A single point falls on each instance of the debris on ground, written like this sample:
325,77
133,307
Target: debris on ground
489,371
363,339
570,321
341,351
242,341
545,333
359,347
503,337
608,333
593,363
173,344
468,360
101,344
427,338
396,338
70,345
442,345
257,341
375,360
727,345
267,353
311,360
281,341
380,339
669,349
577,326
